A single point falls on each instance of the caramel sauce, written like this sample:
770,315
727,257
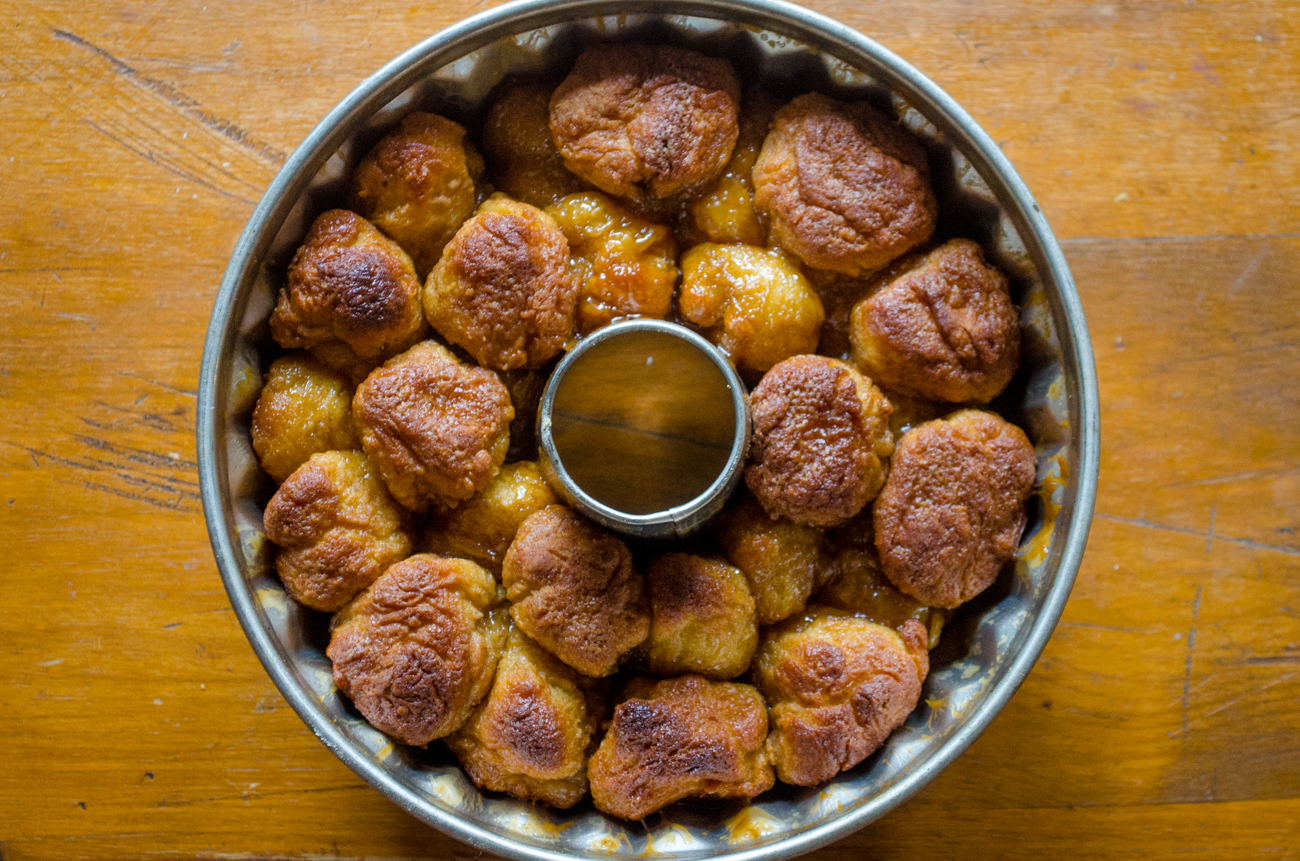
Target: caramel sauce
643,422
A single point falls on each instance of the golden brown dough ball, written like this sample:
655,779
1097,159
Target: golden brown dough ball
350,283
303,409
726,212
779,558
336,527
417,185
417,650
531,735
853,581
942,329
573,589
837,686
753,302
843,186
481,528
701,618
952,511
680,738
520,150
646,120
626,266
503,288
437,429
820,431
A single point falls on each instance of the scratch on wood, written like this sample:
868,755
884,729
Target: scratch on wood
1232,703
178,492
1237,476
137,455
1272,661
180,101
1187,665
157,159
1119,628
244,796
1124,240
1244,542
1209,536
166,386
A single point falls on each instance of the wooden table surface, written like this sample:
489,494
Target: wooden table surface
1162,140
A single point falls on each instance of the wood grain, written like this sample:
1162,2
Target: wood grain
1160,139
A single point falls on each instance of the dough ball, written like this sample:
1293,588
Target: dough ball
626,266
779,558
680,738
573,589
953,509
503,288
336,527
437,429
417,650
349,283
304,409
701,618
752,302
646,120
837,686
530,736
942,329
481,528
417,185
520,150
820,432
843,186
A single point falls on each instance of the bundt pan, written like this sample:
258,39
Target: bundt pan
988,647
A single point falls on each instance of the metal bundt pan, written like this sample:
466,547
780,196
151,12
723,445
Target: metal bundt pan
987,649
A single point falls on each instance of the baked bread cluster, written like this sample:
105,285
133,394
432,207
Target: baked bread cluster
790,638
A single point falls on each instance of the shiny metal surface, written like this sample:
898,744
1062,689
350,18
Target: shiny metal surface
986,651
680,520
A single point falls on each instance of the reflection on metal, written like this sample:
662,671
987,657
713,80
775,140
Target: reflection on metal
987,648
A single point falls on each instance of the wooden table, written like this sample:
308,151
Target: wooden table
1163,142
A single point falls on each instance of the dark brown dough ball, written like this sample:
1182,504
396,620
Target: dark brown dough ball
942,329
646,120
952,511
417,650
481,528
853,581
573,589
531,735
680,738
820,431
437,430
503,288
417,185
837,686
779,558
520,150
337,529
350,283
843,186
525,386
304,409
702,618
